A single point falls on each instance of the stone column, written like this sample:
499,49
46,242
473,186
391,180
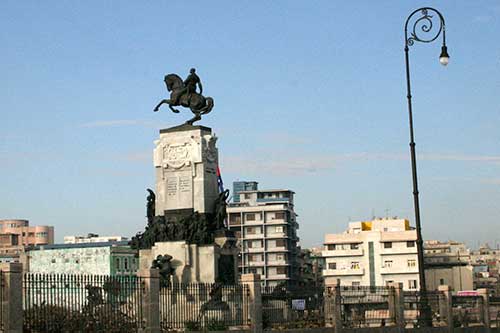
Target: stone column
483,292
445,306
254,301
328,305
399,304
392,304
12,303
151,299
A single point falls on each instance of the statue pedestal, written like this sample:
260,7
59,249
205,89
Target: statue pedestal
185,160
189,210
197,263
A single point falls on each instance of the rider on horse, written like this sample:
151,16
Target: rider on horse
189,86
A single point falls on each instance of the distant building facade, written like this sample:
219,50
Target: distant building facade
17,234
240,186
110,258
92,238
266,226
373,253
447,263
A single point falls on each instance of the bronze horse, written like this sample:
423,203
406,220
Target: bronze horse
179,95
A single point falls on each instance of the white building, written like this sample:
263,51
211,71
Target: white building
93,238
265,223
373,253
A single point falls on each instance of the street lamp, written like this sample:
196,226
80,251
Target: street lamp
428,24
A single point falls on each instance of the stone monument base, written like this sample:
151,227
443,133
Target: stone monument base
197,263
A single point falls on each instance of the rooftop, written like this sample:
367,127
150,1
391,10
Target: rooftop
79,245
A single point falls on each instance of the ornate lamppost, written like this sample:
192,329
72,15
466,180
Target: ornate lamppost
428,25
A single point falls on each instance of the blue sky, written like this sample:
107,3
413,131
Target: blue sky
308,95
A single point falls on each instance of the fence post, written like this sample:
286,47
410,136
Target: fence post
337,307
399,306
483,292
151,299
254,301
12,302
445,306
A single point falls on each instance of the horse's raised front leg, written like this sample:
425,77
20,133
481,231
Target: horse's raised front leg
172,108
159,104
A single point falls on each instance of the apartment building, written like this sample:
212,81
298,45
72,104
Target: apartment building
265,223
373,253
16,234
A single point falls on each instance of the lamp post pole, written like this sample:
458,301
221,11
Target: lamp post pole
424,30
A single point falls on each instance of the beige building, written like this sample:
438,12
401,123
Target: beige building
265,224
373,253
447,263
17,234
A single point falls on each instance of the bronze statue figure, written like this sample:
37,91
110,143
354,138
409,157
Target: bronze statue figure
150,208
184,93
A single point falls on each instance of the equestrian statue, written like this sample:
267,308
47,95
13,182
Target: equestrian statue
183,93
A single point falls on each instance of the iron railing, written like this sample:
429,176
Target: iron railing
58,302
199,306
415,315
467,311
2,293
366,306
284,307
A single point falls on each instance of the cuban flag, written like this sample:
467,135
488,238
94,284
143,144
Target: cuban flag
219,181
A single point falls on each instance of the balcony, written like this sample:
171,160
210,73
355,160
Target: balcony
277,277
253,250
254,264
277,262
343,272
399,270
397,250
253,236
342,253
277,249
276,235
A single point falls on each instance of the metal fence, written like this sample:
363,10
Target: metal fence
57,302
467,311
422,309
366,306
494,311
199,306
2,293
284,307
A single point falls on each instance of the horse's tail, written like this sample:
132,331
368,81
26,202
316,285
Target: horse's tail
209,106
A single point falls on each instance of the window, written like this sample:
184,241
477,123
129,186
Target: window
354,264
279,216
412,263
251,231
256,244
410,244
331,247
280,243
247,195
441,282
387,245
387,263
278,229
53,261
280,270
117,263
234,218
354,246
356,283
31,234
250,217
255,257
389,282
77,261
332,265
125,264
412,284
280,257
